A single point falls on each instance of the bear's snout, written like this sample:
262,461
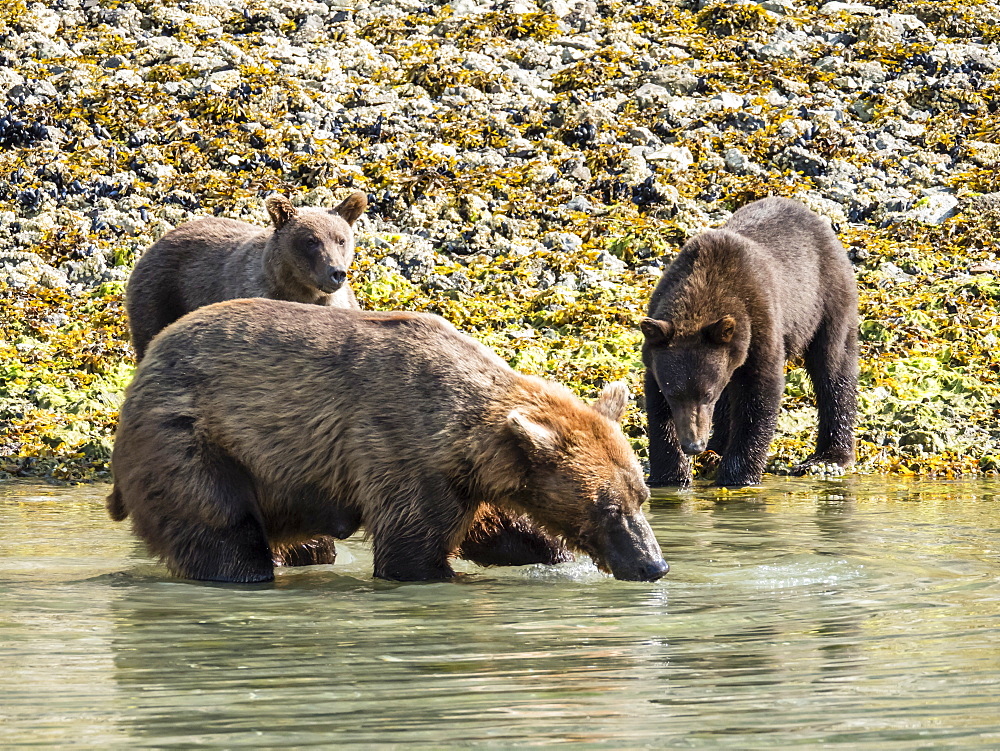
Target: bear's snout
694,447
631,551
335,278
654,570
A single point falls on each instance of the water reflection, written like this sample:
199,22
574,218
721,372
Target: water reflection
806,613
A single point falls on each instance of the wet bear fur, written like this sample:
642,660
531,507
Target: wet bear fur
303,257
772,284
256,424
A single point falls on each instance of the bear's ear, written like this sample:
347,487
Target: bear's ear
352,207
280,210
656,331
533,437
722,331
613,401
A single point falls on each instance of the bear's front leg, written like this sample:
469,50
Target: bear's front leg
668,464
415,528
754,400
500,538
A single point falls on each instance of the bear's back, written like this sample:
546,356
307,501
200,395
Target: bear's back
235,342
293,384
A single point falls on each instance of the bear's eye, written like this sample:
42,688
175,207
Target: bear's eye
614,511
342,242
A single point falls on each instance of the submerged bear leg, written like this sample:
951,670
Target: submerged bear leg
668,464
414,530
832,363
499,538
193,505
754,400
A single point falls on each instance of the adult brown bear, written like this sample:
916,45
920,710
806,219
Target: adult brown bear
773,283
258,423
304,257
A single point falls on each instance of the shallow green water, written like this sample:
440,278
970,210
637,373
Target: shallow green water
857,613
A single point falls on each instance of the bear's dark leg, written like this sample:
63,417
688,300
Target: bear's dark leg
720,425
499,538
203,518
414,530
668,465
754,400
317,551
832,363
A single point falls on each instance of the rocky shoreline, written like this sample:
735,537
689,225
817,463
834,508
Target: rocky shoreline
531,167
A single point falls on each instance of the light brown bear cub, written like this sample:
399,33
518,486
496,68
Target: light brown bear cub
257,423
304,257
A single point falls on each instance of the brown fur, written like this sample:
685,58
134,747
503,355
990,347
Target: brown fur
255,424
737,302
303,257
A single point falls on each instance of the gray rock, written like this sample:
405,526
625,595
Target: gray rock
934,208
802,160
727,100
651,95
854,9
564,241
738,162
581,204
678,157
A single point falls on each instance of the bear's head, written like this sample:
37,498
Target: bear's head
692,365
315,247
583,483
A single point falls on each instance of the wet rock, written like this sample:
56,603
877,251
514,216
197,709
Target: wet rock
934,208
856,9
923,440
566,242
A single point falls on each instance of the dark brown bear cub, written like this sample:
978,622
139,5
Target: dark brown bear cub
773,283
304,257
255,424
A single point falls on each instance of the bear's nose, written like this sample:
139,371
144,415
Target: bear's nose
654,570
693,447
338,275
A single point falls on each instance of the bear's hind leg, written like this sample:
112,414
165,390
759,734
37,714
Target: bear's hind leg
499,538
306,521
151,308
201,517
832,363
